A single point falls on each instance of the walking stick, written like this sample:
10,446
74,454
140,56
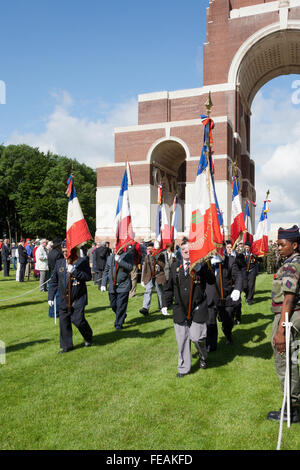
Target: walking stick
287,393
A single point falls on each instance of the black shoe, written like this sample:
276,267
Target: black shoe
62,351
202,363
118,328
275,415
250,302
144,311
180,376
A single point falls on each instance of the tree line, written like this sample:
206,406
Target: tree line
33,202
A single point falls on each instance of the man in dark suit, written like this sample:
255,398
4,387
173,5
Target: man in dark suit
6,255
69,277
193,329
23,258
54,255
224,297
250,272
117,274
102,252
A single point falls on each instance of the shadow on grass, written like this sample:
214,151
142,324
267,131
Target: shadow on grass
147,319
22,304
108,338
227,353
17,347
248,318
96,309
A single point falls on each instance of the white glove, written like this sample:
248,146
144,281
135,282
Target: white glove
156,245
235,295
117,257
103,289
50,303
215,259
143,284
71,268
173,255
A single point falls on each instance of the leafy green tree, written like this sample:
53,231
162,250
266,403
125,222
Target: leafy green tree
32,192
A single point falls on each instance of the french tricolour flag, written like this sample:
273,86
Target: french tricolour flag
260,240
174,223
163,236
123,223
77,230
205,236
248,236
237,219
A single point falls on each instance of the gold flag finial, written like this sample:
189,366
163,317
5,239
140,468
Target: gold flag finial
268,194
208,104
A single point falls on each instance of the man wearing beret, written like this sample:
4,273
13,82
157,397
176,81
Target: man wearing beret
286,299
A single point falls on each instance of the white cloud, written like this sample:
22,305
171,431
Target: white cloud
90,142
276,152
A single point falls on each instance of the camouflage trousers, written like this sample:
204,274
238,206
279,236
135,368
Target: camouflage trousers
280,359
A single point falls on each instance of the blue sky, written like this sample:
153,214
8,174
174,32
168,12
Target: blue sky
73,71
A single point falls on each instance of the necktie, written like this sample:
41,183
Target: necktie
186,269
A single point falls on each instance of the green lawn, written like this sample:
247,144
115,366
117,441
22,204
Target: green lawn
122,393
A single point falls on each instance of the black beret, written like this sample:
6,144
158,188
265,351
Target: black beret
57,242
248,243
288,233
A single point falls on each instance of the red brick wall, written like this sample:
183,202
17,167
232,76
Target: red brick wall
135,145
112,175
225,37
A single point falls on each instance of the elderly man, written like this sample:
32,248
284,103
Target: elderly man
194,328
69,277
41,265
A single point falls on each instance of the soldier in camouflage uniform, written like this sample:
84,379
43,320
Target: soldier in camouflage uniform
271,259
286,298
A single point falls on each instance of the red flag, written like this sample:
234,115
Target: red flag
205,236
77,230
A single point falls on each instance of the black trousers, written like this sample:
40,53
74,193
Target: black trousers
22,272
118,303
6,267
76,316
225,314
249,287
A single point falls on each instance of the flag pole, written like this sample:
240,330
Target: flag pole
208,106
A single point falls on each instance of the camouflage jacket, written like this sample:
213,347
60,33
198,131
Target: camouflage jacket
286,280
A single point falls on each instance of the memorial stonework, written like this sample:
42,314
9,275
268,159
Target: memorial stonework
248,43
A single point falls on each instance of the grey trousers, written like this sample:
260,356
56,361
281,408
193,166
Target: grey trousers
196,333
43,279
280,360
148,294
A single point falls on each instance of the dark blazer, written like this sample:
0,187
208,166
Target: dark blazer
60,281
179,285
124,267
53,256
23,256
101,255
5,253
232,278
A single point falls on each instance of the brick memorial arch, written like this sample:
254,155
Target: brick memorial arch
248,43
